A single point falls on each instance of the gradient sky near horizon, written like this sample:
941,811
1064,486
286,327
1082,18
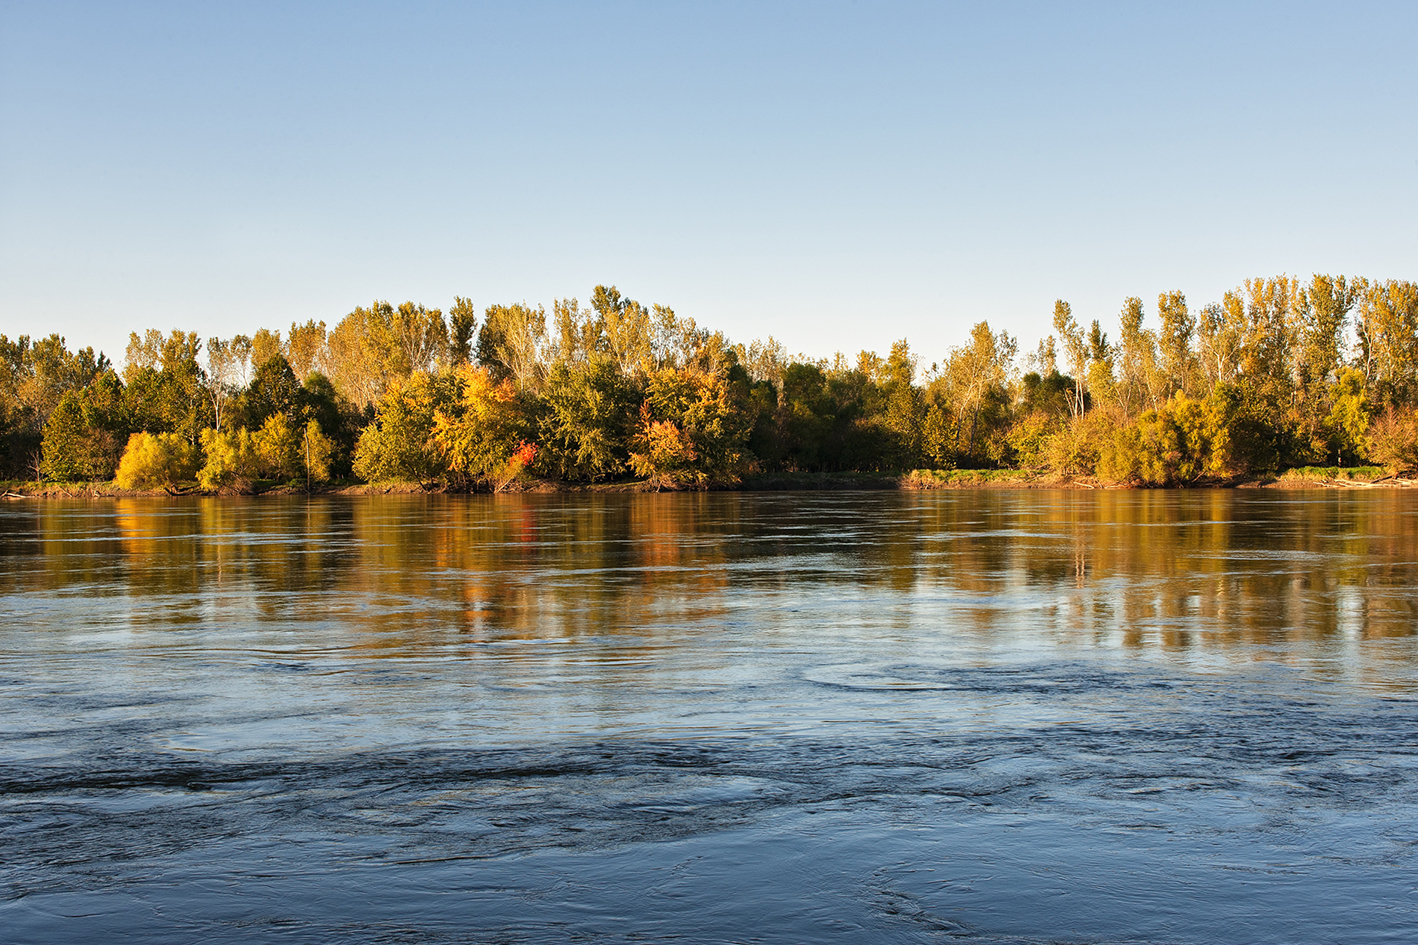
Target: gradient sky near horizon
838,175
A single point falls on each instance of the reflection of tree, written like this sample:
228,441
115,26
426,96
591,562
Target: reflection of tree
627,576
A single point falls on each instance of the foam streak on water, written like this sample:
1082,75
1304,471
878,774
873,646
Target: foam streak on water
1003,717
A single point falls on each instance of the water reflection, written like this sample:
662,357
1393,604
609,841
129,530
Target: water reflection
1166,570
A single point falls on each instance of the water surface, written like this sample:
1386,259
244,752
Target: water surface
887,717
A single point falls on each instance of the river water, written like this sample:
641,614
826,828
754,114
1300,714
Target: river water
1013,716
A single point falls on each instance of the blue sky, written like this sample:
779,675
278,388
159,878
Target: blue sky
837,175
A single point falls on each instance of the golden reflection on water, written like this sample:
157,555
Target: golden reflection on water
1173,571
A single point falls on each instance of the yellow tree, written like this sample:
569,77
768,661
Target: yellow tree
1075,349
413,339
305,347
479,434
511,341
1174,341
265,345
1326,305
1388,338
577,333
1267,352
692,429
357,365
625,326
972,372
677,341
1219,331
1137,359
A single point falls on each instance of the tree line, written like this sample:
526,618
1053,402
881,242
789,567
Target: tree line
1279,373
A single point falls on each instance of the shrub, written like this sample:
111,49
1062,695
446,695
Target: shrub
231,458
278,446
318,450
1028,438
157,459
1180,442
1393,439
663,453
1075,448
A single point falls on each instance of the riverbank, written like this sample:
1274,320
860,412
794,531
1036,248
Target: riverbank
1321,477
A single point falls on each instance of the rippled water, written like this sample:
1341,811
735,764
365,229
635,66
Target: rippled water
885,717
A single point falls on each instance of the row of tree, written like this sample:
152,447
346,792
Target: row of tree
1278,373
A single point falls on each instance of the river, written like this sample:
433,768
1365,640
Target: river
1003,716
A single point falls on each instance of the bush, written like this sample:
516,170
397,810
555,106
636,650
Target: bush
1180,442
231,458
1028,439
1077,446
1393,439
319,450
278,446
664,454
157,459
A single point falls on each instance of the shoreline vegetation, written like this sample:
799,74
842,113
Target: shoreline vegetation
917,480
1282,383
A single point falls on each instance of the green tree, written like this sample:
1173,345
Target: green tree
66,442
1075,349
903,412
398,445
167,391
1350,416
1102,386
585,423
273,390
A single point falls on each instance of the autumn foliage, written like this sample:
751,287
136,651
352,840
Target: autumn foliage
1278,372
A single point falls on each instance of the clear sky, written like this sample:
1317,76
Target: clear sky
839,175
